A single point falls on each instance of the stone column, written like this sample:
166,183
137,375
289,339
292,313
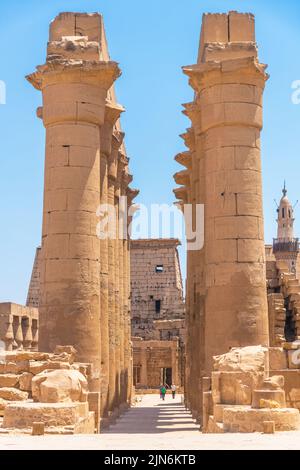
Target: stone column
144,371
131,195
74,95
228,294
112,114
113,273
126,179
235,301
123,161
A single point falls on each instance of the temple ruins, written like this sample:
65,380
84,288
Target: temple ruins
105,315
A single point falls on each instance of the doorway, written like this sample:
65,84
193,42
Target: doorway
166,375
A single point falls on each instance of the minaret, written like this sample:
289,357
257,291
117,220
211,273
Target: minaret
285,221
286,246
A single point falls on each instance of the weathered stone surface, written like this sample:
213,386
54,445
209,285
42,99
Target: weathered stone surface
277,358
265,398
12,394
38,428
8,380
70,350
3,404
25,381
268,427
247,359
36,367
59,386
20,356
23,415
243,419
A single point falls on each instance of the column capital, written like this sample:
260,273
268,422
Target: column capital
184,158
182,177
113,161
181,193
101,74
111,116
226,71
132,194
193,112
189,138
113,112
117,140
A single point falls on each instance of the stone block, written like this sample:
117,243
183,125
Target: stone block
25,381
277,396
248,204
8,380
268,427
23,415
250,251
38,428
62,25
241,27
59,386
3,404
214,28
89,25
250,420
247,359
277,358
237,227
13,394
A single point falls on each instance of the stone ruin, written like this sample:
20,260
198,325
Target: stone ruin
242,339
48,391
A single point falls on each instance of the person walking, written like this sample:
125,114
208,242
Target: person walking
160,391
163,391
173,389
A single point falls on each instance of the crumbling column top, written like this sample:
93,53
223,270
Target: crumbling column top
93,72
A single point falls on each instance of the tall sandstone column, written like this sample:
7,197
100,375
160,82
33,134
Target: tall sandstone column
112,114
229,293
113,277
74,83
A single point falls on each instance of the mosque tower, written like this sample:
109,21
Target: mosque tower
286,246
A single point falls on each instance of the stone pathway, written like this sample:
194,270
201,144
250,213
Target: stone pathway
155,425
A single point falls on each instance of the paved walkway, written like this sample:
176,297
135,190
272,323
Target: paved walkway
155,425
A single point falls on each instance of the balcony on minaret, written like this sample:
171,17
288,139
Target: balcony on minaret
290,245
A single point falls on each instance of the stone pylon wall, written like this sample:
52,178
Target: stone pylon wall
82,298
149,285
226,292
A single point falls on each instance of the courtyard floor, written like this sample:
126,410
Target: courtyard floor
154,425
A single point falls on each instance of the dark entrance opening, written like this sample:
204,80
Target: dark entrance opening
290,327
166,376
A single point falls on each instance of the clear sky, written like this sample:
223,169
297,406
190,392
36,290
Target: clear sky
151,40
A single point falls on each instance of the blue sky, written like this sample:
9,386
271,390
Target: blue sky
151,40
